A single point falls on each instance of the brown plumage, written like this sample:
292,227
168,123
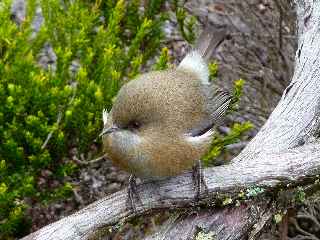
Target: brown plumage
161,123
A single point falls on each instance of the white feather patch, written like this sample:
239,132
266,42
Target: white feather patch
105,116
193,62
207,136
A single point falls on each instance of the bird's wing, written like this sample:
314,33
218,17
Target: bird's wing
217,105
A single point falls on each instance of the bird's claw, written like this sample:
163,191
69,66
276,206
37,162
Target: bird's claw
133,195
198,180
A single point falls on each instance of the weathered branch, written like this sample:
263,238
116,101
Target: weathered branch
274,170
284,154
240,221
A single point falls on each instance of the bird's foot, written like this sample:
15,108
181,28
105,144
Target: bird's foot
198,180
133,195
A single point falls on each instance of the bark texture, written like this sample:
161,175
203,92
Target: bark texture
283,155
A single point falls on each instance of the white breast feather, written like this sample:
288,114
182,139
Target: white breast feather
204,138
193,62
105,116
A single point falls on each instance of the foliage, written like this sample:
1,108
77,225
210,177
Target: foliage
237,93
163,61
220,141
186,22
46,112
213,70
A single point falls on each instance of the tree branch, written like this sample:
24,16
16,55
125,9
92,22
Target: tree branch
294,167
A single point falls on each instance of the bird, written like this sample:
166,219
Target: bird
162,122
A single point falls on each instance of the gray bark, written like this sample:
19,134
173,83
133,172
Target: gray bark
283,155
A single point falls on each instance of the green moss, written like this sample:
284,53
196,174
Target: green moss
300,195
227,201
277,218
205,236
254,191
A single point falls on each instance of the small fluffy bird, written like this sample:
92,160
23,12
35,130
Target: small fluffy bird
161,123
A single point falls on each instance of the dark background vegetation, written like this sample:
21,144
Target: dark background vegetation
62,62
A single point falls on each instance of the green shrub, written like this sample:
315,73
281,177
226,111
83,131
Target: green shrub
44,113
186,22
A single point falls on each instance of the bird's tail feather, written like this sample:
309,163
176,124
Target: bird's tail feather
196,61
209,41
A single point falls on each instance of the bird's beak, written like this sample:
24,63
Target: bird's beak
108,130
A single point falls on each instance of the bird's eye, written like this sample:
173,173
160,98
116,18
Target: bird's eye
133,125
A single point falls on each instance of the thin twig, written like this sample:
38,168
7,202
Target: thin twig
59,118
83,162
45,143
77,197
